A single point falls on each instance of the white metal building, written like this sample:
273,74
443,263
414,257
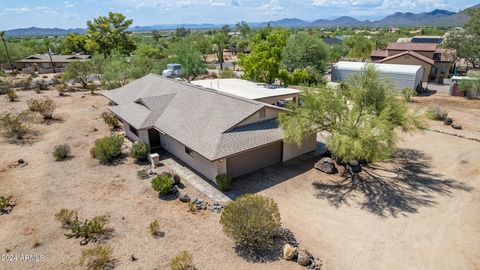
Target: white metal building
399,76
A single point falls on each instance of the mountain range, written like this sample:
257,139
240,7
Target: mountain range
436,17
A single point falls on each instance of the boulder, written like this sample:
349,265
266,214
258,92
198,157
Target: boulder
289,252
448,121
326,165
354,167
184,198
456,126
303,257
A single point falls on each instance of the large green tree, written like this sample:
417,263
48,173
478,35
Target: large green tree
360,47
220,42
304,51
109,33
264,61
190,58
361,118
75,43
2,36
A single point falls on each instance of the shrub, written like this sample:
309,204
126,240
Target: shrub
40,85
408,93
66,217
62,89
4,203
139,151
107,148
251,221
142,174
227,73
183,261
97,258
44,107
223,181
436,113
163,183
155,228
61,151
191,207
15,125
111,120
11,94
90,230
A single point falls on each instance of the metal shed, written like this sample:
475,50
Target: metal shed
399,76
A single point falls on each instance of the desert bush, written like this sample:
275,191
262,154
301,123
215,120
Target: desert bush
163,183
40,85
107,148
90,230
15,125
139,151
183,261
61,151
11,94
62,89
110,119
155,228
223,181
45,107
5,202
436,113
26,84
251,221
227,73
66,217
408,93
191,207
97,258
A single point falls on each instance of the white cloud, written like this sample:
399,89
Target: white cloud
24,9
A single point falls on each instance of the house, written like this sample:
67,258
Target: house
42,63
427,39
274,95
399,76
213,132
437,62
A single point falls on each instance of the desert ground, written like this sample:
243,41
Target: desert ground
418,210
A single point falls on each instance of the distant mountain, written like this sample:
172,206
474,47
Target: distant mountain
35,31
436,17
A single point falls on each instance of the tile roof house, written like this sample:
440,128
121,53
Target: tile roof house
212,131
42,63
437,67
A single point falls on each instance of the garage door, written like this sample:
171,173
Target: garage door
254,159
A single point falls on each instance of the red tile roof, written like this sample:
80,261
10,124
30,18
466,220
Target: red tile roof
379,54
426,47
414,54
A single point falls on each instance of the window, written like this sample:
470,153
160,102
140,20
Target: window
262,113
133,130
189,151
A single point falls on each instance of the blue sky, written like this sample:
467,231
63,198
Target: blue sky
74,13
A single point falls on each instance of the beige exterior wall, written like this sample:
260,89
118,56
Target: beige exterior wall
270,113
142,134
446,68
410,60
291,150
427,54
273,100
209,169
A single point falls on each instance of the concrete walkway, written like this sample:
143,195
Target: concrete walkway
198,182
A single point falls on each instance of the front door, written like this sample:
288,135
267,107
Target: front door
154,138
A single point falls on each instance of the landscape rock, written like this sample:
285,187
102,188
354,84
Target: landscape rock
304,257
456,126
289,252
184,198
326,165
448,121
354,167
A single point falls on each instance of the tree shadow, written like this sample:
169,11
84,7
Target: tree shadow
274,253
401,185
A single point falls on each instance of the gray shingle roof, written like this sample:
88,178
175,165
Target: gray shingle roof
197,117
42,58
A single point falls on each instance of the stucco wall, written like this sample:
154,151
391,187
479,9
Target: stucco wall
273,100
142,134
269,114
410,60
292,150
200,164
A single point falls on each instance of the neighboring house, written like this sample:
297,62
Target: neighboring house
398,76
427,39
42,64
437,62
211,131
274,95
404,40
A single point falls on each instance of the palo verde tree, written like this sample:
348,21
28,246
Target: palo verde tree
362,118
2,36
190,58
108,33
360,47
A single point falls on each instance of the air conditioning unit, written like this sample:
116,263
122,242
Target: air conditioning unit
172,71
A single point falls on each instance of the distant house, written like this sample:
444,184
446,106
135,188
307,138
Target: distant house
404,40
214,132
41,62
427,39
437,62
